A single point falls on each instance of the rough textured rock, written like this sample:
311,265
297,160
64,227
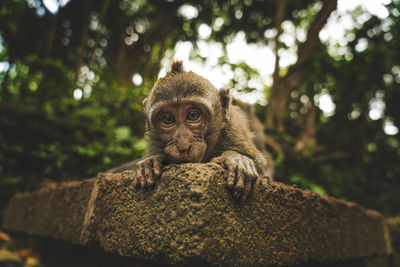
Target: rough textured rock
190,216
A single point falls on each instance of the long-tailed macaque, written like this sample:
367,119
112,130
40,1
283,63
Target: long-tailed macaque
189,120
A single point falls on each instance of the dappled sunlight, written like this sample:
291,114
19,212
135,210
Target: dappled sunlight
188,11
78,94
377,106
390,128
325,103
375,7
137,79
4,66
348,16
257,56
54,5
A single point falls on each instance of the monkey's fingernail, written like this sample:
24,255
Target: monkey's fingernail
238,190
135,181
240,186
229,183
142,182
157,174
150,182
236,195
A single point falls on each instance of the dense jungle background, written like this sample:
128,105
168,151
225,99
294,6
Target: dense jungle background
73,75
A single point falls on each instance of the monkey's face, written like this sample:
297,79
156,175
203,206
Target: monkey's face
182,127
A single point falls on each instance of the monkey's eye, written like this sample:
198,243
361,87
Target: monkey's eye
167,119
193,115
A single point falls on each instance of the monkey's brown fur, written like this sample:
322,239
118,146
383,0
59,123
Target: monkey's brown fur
198,123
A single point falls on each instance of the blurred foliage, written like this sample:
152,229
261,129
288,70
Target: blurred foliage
366,169
69,109
49,134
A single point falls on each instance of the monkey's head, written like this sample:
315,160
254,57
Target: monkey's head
184,115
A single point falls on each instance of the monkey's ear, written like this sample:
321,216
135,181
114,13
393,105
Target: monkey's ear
177,67
225,97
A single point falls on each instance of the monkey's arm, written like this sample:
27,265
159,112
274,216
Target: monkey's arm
239,155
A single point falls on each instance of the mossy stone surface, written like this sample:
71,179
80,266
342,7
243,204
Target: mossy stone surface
190,216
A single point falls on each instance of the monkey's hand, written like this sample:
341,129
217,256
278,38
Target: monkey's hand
147,171
241,173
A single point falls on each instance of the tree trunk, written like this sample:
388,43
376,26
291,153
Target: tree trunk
83,37
283,86
281,7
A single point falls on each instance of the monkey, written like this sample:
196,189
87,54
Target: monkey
189,120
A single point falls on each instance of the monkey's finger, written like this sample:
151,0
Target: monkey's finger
218,160
253,183
231,175
253,174
249,167
150,181
250,163
236,195
135,178
156,168
142,182
246,191
240,180
148,175
253,167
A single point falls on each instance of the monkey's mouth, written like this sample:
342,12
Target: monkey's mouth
195,153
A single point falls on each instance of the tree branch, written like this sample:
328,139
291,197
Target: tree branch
306,50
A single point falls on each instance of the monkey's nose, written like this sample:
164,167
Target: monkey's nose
183,146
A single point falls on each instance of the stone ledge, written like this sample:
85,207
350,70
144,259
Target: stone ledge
190,216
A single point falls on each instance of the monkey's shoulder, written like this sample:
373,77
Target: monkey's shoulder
238,118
